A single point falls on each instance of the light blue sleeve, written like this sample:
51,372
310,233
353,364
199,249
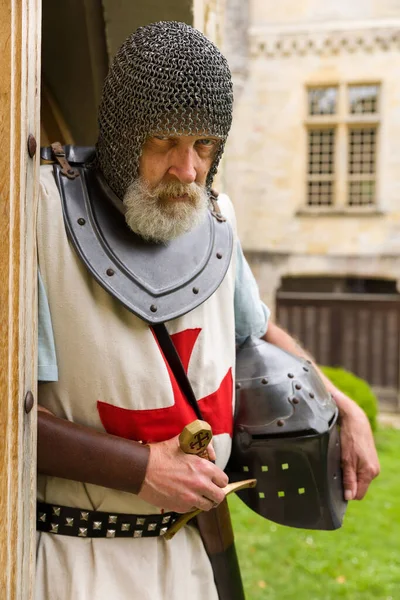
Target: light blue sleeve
251,314
47,360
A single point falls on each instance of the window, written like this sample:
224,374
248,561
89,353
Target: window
342,131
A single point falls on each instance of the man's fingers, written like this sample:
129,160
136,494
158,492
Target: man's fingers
362,488
357,478
349,482
212,472
364,479
220,479
211,452
206,504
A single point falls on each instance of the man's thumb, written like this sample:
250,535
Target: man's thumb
349,483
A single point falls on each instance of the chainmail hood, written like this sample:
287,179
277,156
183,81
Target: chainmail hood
166,78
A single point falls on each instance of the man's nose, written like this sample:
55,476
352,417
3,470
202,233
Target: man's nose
183,165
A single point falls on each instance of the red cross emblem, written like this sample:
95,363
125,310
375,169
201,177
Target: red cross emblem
159,424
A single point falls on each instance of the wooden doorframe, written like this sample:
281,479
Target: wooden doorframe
20,35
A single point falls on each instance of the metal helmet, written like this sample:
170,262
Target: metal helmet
166,78
286,436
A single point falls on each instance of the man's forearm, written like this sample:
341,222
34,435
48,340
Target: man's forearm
80,453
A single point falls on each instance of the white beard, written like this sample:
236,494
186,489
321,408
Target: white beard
156,216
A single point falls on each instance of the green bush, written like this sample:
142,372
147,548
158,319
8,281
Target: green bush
357,389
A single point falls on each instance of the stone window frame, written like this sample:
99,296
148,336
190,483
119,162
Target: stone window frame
342,122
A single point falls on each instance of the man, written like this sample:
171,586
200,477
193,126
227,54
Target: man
112,474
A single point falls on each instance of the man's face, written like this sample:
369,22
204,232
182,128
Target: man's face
169,197
185,159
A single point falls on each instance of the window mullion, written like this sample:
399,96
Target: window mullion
341,162
341,150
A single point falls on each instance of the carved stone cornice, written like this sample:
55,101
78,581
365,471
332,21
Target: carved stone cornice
279,44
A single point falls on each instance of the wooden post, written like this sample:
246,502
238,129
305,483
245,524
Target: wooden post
20,35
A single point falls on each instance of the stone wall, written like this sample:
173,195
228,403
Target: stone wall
290,46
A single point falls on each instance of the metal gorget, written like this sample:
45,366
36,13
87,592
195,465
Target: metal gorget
156,282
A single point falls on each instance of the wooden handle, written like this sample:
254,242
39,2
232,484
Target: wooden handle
195,438
184,519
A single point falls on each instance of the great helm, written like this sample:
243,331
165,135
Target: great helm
166,78
286,436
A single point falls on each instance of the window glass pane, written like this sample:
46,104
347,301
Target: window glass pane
361,193
321,148
362,165
363,99
320,193
322,101
362,151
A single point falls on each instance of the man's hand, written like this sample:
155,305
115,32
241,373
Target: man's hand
181,482
359,457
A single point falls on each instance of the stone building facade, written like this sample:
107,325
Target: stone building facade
313,160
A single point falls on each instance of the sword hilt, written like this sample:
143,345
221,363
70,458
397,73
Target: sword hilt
195,438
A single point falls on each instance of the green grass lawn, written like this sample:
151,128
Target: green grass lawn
360,561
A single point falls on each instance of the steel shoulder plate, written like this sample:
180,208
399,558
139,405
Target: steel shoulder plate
156,282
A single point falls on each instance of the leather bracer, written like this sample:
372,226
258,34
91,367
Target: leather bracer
72,451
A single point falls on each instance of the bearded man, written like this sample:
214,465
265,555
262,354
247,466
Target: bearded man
130,236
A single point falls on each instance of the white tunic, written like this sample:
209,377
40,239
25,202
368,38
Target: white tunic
113,377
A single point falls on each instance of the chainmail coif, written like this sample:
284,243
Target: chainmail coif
166,78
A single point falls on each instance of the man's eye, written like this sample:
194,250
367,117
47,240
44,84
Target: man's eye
206,142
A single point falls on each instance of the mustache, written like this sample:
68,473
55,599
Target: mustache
166,190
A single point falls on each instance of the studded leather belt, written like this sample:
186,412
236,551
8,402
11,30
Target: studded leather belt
65,520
